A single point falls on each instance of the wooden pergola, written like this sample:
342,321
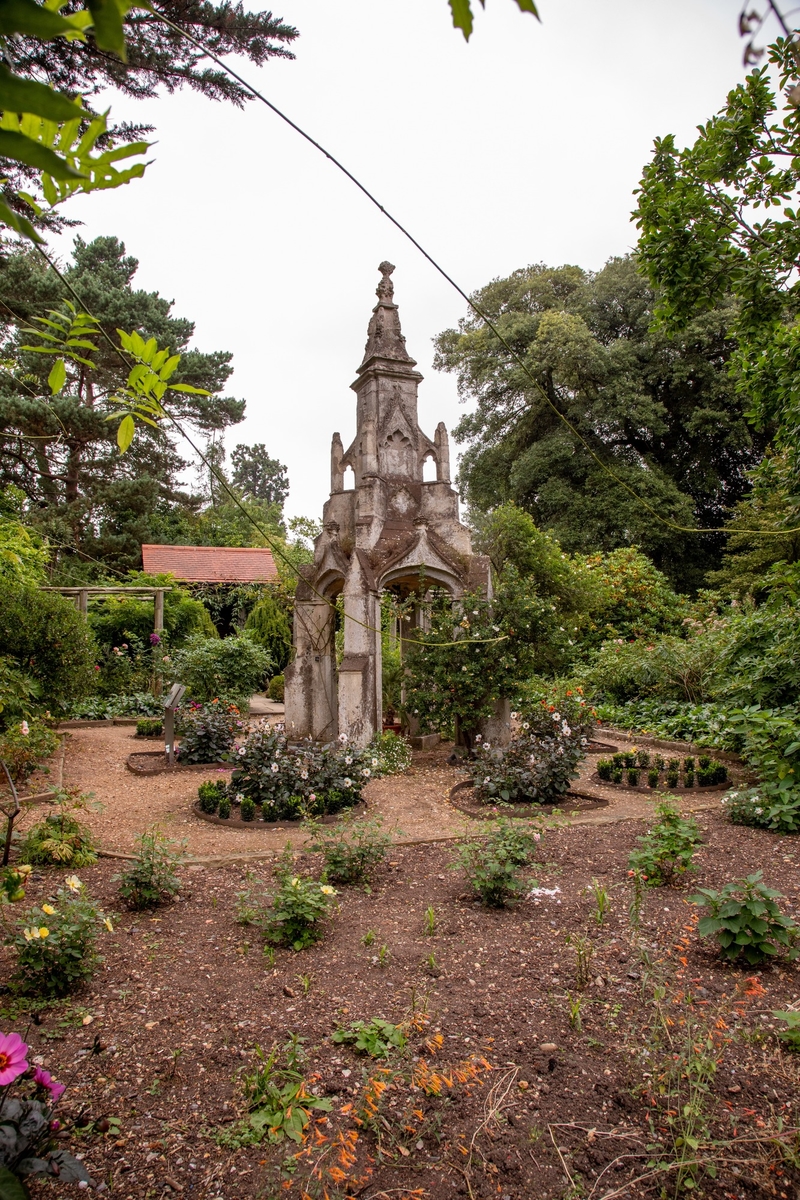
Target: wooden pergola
81,597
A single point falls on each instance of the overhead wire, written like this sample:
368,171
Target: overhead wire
472,304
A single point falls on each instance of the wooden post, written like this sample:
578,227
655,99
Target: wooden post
83,602
159,611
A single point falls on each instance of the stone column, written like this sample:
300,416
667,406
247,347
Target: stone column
311,705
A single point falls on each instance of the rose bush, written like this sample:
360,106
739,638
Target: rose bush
539,761
295,780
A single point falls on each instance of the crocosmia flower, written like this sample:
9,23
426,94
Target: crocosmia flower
12,1057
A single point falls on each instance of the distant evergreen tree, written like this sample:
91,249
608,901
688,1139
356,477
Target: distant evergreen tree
257,476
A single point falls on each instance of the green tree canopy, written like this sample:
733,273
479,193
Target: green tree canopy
660,411
257,476
720,218
61,451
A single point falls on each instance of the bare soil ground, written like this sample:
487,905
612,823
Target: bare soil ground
504,1090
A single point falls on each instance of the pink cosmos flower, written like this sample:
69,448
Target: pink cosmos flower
44,1079
12,1057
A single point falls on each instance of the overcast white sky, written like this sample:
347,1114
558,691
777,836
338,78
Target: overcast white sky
522,146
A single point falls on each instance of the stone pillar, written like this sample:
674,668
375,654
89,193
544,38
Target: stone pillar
337,472
442,444
361,667
311,708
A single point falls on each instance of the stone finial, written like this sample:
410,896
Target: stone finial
384,335
385,289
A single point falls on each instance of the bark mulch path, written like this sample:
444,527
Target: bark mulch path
498,1095
416,804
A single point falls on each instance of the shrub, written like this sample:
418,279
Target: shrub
49,640
224,810
247,809
747,922
150,880
688,778
56,944
642,759
377,1038
267,624
210,793
149,727
117,619
493,866
297,908
292,781
59,838
393,753
652,777
24,747
604,769
672,779
230,668
616,775
276,688
538,763
102,708
633,777
666,851
352,849
207,733
17,692
750,806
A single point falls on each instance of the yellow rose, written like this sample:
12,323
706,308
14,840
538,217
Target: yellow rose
48,908
44,931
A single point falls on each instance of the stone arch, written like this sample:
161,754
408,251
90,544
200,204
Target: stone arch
430,468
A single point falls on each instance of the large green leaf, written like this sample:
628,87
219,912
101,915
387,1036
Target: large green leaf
26,95
24,16
25,150
528,6
18,223
462,16
108,16
12,1188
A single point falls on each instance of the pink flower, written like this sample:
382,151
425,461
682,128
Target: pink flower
12,1057
24,728
43,1079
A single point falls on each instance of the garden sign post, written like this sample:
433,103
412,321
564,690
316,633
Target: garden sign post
170,704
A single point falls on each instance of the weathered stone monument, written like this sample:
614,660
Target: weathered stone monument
387,531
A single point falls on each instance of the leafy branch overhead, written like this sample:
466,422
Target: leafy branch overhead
463,19
49,132
69,334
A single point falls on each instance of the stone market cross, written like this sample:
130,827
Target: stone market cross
384,533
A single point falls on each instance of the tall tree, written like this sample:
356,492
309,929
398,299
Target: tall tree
660,412
257,476
60,450
720,217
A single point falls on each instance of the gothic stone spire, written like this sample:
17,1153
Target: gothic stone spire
384,336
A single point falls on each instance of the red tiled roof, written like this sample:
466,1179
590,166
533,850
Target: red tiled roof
211,564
